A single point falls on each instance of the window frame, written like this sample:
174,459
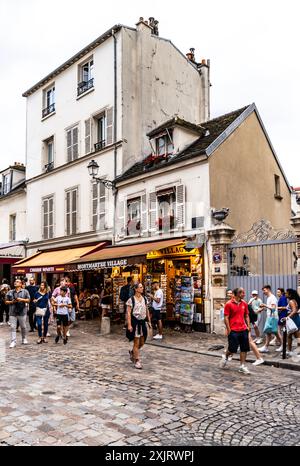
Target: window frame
166,137
48,104
12,227
133,199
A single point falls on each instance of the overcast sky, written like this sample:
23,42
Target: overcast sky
253,48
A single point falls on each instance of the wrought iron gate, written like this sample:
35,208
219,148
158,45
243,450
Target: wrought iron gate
253,264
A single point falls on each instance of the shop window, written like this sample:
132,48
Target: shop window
133,216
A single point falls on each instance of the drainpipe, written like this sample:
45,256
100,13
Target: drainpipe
115,136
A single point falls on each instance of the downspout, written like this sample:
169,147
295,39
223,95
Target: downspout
115,137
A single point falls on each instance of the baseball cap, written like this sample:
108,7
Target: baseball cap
254,292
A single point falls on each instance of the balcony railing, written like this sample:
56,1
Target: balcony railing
49,166
85,86
99,145
46,111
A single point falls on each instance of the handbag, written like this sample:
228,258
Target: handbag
271,325
291,327
149,331
40,312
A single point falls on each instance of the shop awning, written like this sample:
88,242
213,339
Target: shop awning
53,261
11,252
118,255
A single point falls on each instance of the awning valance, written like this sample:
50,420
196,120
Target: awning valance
12,251
118,255
53,261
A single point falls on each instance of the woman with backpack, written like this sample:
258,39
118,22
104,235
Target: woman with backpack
137,315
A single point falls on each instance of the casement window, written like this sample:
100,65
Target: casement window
6,183
103,129
86,76
72,135
12,227
48,217
98,206
48,156
164,145
277,194
133,210
71,211
167,209
48,101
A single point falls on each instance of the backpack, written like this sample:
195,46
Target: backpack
124,293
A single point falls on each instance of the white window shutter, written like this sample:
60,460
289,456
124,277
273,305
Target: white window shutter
75,143
109,125
144,214
68,213
102,206
69,145
121,219
88,136
152,211
94,192
180,205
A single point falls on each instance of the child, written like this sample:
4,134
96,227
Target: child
63,306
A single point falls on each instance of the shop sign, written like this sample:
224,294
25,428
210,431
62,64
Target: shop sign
217,258
102,264
52,269
171,251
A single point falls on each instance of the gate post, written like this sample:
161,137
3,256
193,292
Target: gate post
295,222
220,238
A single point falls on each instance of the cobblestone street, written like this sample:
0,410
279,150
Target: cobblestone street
88,393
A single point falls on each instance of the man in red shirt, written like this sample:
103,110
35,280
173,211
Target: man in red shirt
236,317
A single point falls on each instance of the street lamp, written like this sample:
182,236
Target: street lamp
93,169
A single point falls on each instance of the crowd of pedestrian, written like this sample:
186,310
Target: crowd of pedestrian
241,318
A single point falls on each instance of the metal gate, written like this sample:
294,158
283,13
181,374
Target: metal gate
253,265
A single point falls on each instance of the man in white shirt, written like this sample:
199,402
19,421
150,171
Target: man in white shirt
271,308
157,304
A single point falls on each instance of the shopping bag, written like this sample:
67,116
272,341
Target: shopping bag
271,325
149,332
291,327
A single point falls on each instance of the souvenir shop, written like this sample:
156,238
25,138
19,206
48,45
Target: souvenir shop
180,272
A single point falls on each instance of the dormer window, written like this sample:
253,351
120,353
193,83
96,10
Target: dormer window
164,145
6,183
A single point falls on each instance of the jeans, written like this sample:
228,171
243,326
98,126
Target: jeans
13,321
32,318
40,321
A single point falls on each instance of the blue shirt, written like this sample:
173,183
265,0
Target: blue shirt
283,302
43,302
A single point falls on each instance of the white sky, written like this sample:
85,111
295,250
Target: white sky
253,47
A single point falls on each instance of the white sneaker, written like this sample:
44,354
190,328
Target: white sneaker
258,341
8,323
68,333
279,349
24,342
273,342
1,324
157,337
223,362
263,349
48,334
258,362
13,344
244,370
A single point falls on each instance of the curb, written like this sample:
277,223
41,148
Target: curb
277,364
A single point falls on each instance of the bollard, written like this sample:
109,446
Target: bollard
284,340
105,326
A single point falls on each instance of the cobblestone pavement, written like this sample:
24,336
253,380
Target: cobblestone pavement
88,393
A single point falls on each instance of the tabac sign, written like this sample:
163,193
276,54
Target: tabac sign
171,251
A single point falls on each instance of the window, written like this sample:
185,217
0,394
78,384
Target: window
6,183
103,128
72,143
71,211
167,209
48,217
166,200
48,101
12,227
133,216
164,145
99,206
277,194
49,154
86,77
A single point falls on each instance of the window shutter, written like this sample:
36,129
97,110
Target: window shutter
102,206
180,205
152,211
120,220
109,125
74,211
68,212
94,205
45,219
88,133
69,145
144,214
51,219
75,143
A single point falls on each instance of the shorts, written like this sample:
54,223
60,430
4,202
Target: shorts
156,314
238,339
62,319
72,315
